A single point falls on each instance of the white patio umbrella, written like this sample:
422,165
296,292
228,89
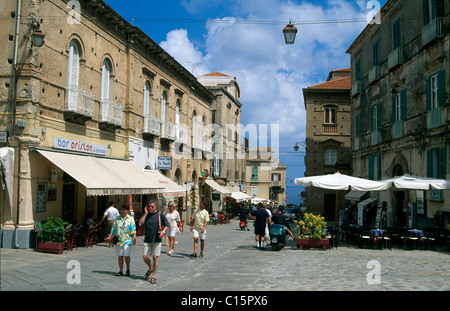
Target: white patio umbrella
338,181
411,182
258,200
417,182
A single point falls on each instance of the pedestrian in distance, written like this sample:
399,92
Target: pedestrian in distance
124,228
173,217
156,225
266,230
110,215
261,218
243,216
199,222
280,219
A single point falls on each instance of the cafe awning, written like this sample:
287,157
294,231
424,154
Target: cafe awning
102,175
213,184
171,189
355,195
240,196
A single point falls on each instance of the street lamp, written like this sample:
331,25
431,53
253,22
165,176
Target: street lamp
298,145
289,33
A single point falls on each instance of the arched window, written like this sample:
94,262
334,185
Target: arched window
177,119
163,111
73,74
147,106
194,127
330,115
106,87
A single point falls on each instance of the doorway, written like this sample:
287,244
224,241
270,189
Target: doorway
329,204
68,203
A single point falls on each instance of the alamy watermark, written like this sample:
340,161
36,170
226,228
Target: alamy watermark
374,16
374,275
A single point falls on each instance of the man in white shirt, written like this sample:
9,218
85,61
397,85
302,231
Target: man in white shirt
110,214
198,228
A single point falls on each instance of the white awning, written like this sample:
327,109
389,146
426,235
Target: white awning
103,176
213,184
240,196
171,189
355,195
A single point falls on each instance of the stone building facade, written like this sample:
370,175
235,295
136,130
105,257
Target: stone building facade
328,126
98,85
400,106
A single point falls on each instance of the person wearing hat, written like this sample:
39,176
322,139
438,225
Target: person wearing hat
124,228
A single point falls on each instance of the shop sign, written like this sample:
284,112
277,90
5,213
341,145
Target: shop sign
3,137
80,146
164,163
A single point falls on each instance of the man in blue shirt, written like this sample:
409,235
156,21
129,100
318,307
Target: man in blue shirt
261,217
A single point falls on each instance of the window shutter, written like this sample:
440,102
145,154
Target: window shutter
441,88
429,161
426,17
428,94
371,118
403,104
371,167
378,115
379,167
393,109
441,163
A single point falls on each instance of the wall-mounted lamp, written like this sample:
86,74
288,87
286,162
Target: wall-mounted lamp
289,33
55,174
37,38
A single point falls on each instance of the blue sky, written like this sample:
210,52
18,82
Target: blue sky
243,38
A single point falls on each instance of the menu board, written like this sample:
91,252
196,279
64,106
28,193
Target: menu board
41,197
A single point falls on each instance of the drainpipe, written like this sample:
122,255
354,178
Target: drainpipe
14,81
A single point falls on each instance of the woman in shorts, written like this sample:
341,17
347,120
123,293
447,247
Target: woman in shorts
174,220
124,227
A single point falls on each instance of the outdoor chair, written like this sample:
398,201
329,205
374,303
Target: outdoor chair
365,238
71,239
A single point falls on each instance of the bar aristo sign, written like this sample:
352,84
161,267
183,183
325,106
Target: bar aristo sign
80,146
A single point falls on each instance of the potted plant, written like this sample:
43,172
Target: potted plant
311,232
52,235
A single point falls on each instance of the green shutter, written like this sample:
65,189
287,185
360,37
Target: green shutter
371,118
371,167
378,115
379,167
441,88
428,99
403,104
393,109
441,163
429,161
426,18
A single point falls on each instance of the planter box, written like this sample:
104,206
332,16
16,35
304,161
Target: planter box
310,243
50,247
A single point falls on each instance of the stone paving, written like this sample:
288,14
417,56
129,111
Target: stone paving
230,263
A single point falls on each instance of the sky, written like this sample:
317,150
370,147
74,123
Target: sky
244,39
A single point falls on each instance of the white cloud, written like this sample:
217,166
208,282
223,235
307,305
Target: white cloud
271,74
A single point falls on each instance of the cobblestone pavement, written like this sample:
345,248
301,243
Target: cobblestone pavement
230,263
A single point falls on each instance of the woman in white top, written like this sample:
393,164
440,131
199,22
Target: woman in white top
174,220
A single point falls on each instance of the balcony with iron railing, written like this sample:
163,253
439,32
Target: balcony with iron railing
111,113
152,126
79,103
168,131
356,88
431,31
374,74
394,58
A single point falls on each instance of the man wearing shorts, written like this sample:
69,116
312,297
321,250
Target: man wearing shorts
152,241
198,228
261,217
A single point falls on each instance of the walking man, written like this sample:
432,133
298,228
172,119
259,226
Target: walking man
156,225
261,217
198,228
110,215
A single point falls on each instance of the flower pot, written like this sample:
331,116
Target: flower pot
51,247
311,243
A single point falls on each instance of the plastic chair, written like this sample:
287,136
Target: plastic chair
71,238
